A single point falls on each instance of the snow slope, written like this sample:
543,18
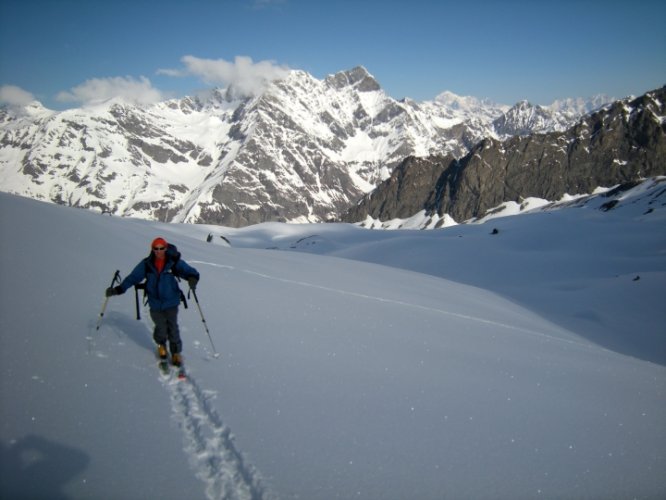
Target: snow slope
430,364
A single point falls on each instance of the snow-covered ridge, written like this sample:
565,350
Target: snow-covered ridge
604,198
303,150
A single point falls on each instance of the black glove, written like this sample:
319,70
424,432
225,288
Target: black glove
192,281
114,290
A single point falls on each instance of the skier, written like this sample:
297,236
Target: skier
160,270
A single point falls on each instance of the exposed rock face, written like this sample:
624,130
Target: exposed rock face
621,143
411,188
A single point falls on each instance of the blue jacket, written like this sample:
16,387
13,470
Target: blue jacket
162,288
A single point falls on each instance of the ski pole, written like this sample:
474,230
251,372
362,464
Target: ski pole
116,278
136,301
196,299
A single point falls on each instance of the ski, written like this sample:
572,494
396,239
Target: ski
163,365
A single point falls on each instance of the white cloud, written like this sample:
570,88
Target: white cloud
130,89
171,72
244,76
15,96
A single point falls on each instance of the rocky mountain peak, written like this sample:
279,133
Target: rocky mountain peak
357,78
525,118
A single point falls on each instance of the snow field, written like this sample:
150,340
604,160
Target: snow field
421,365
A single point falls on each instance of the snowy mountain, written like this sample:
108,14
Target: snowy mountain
577,107
620,144
526,119
303,150
527,362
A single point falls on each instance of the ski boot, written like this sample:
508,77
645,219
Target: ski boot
176,359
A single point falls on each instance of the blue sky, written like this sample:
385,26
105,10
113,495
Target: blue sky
67,52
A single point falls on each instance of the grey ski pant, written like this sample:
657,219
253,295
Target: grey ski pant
166,328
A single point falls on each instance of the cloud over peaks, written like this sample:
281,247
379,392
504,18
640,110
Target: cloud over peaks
244,76
15,96
130,89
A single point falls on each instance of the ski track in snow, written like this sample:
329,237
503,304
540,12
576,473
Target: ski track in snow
210,446
513,328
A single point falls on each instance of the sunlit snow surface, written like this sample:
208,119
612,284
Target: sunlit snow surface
453,363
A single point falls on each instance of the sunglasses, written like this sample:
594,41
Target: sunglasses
159,249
